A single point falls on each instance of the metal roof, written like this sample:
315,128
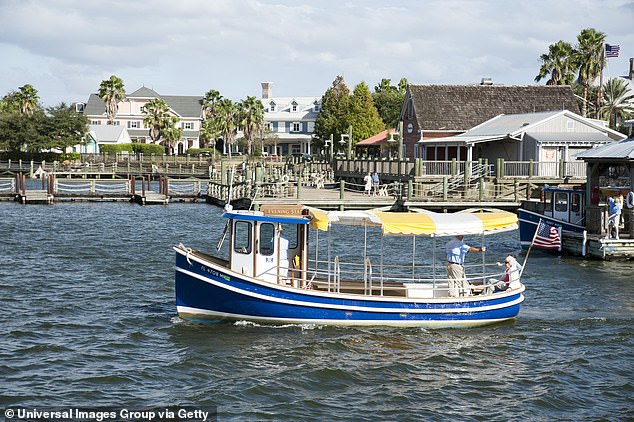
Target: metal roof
617,150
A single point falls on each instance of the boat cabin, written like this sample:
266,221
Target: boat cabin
564,203
269,245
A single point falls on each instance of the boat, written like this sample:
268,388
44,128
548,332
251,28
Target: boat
261,282
560,206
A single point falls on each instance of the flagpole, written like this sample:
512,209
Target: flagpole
530,247
599,93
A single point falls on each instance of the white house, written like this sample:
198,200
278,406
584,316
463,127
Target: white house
291,120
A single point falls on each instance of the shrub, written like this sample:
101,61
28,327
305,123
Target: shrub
148,149
115,148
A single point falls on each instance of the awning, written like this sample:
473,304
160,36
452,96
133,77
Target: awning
422,223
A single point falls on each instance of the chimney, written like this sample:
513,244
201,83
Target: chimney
631,68
267,90
486,81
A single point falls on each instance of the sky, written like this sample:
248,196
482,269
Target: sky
65,48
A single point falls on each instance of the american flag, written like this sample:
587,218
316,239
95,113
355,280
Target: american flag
546,237
612,50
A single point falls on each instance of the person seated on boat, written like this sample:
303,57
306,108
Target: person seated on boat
614,217
456,252
511,278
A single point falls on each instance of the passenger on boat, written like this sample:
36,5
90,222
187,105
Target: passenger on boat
614,217
456,252
511,278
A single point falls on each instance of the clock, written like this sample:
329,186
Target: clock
410,127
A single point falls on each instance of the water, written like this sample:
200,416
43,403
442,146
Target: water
89,320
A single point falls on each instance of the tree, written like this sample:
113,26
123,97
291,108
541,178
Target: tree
364,117
20,132
618,102
227,120
111,92
388,100
171,133
590,60
10,103
156,118
65,127
209,130
334,116
28,100
559,63
251,120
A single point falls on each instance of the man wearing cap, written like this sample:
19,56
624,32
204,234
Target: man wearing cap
456,252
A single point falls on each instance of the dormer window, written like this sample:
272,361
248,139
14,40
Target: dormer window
316,106
293,106
272,106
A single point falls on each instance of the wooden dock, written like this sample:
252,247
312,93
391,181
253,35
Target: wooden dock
35,197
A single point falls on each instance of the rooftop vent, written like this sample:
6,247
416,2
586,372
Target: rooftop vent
486,81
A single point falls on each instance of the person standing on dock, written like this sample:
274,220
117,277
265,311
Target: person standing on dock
614,217
375,183
368,183
456,253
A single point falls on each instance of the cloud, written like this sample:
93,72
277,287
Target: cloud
65,48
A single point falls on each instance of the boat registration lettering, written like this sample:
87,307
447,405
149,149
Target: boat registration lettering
210,271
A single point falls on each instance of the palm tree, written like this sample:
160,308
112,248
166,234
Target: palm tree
209,128
156,113
590,60
618,101
171,132
111,92
27,99
227,120
251,120
558,64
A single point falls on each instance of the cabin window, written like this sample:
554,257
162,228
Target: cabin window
575,203
548,202
242,237
290,233
267,236
561,201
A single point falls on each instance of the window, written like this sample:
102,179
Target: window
548,202
95,122
296,127
294,107
570,124
561,201
316,107
188,125
267,237
272,106
268,126
242,237
575,203
134,124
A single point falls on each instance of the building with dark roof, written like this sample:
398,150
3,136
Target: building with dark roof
130,115
440,111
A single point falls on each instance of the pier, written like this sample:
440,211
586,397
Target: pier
436,185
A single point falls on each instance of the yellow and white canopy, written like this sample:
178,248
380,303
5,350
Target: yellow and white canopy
422,222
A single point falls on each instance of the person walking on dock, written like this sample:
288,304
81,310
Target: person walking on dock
456,253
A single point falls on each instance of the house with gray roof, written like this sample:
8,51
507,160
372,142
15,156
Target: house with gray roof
441,111
548,136
130,116
290,122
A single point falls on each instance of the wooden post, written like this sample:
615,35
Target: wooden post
142,185
445,187
341,188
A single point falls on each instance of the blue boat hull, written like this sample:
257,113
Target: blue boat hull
528,221
206,291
